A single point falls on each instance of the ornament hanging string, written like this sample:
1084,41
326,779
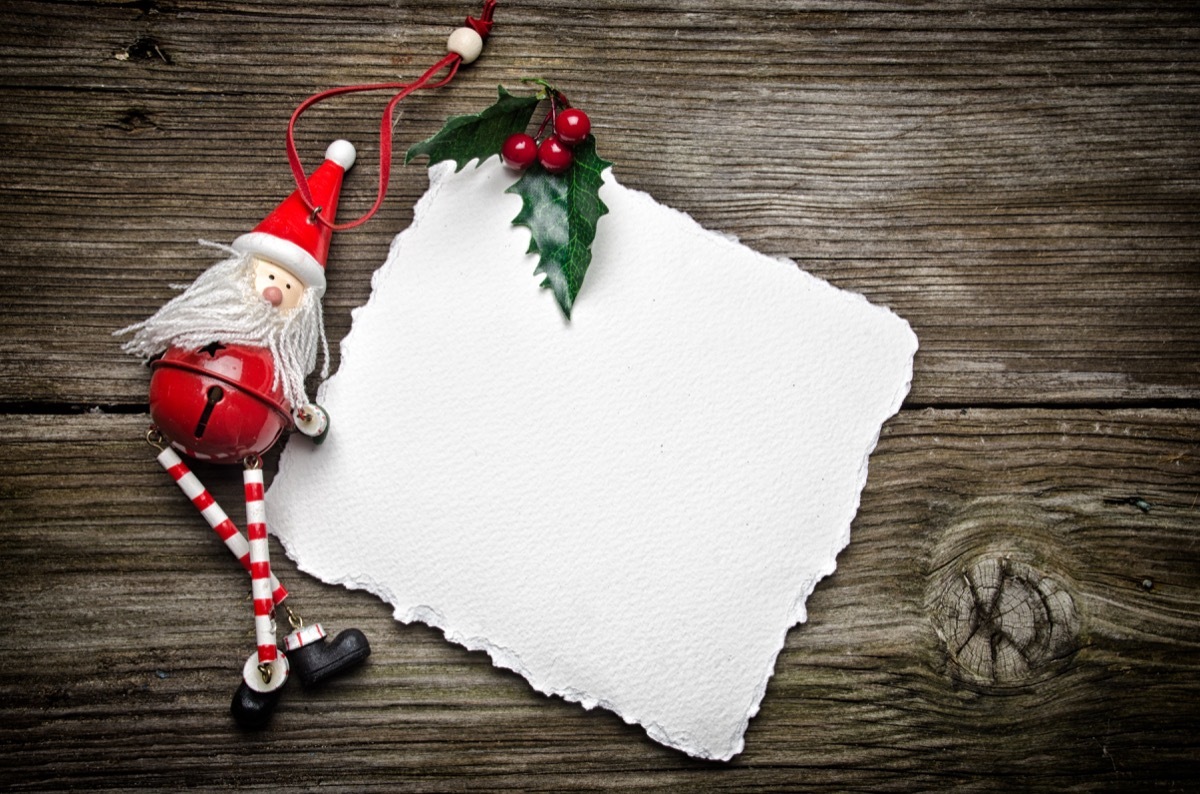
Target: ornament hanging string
385,134
451,61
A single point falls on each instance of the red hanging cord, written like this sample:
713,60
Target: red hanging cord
482,26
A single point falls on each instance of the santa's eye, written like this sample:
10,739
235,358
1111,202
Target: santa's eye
271,276
289,286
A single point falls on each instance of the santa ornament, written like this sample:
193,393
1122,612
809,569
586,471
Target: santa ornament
229,357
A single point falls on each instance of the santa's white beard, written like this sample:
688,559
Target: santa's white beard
221,305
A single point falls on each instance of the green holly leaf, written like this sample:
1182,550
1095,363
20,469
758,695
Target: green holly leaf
481,135
561,211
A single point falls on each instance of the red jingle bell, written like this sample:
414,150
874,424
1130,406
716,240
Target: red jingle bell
217,403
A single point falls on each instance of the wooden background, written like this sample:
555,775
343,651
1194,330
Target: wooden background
1019,180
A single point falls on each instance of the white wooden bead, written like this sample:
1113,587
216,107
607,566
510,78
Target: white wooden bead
466,42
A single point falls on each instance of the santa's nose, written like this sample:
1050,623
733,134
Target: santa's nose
273,295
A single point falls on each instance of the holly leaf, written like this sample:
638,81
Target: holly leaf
561,211
481,135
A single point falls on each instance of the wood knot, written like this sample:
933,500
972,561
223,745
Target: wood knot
1004,622
145,48
136,120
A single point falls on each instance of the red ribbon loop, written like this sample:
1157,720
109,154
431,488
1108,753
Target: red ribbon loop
451,60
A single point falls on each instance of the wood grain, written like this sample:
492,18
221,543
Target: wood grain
1033,167
129,612
1018,608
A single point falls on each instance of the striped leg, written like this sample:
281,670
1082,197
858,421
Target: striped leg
260,564
212,512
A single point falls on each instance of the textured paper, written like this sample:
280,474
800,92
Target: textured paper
628,509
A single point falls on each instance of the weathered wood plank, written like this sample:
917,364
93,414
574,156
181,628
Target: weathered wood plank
1021,183
126,628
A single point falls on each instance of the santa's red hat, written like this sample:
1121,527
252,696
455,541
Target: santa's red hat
290,236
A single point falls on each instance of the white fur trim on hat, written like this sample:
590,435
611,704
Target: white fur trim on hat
286,254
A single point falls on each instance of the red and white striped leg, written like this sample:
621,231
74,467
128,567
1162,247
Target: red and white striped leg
213,514
260,563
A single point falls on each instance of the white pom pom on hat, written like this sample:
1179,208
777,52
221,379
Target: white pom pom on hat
343,153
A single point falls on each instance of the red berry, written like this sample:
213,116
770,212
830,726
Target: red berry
519,151
572,126
554,156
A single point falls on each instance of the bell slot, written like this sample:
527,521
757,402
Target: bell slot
215,395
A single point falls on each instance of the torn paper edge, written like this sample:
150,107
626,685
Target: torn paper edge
506,658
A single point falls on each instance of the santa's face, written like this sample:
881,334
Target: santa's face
276,285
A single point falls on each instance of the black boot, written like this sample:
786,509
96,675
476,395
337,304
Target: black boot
252,707
314,657
252,710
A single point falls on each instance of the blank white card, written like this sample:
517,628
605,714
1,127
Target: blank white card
628,509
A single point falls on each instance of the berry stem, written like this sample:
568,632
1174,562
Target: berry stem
549,91
542,127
